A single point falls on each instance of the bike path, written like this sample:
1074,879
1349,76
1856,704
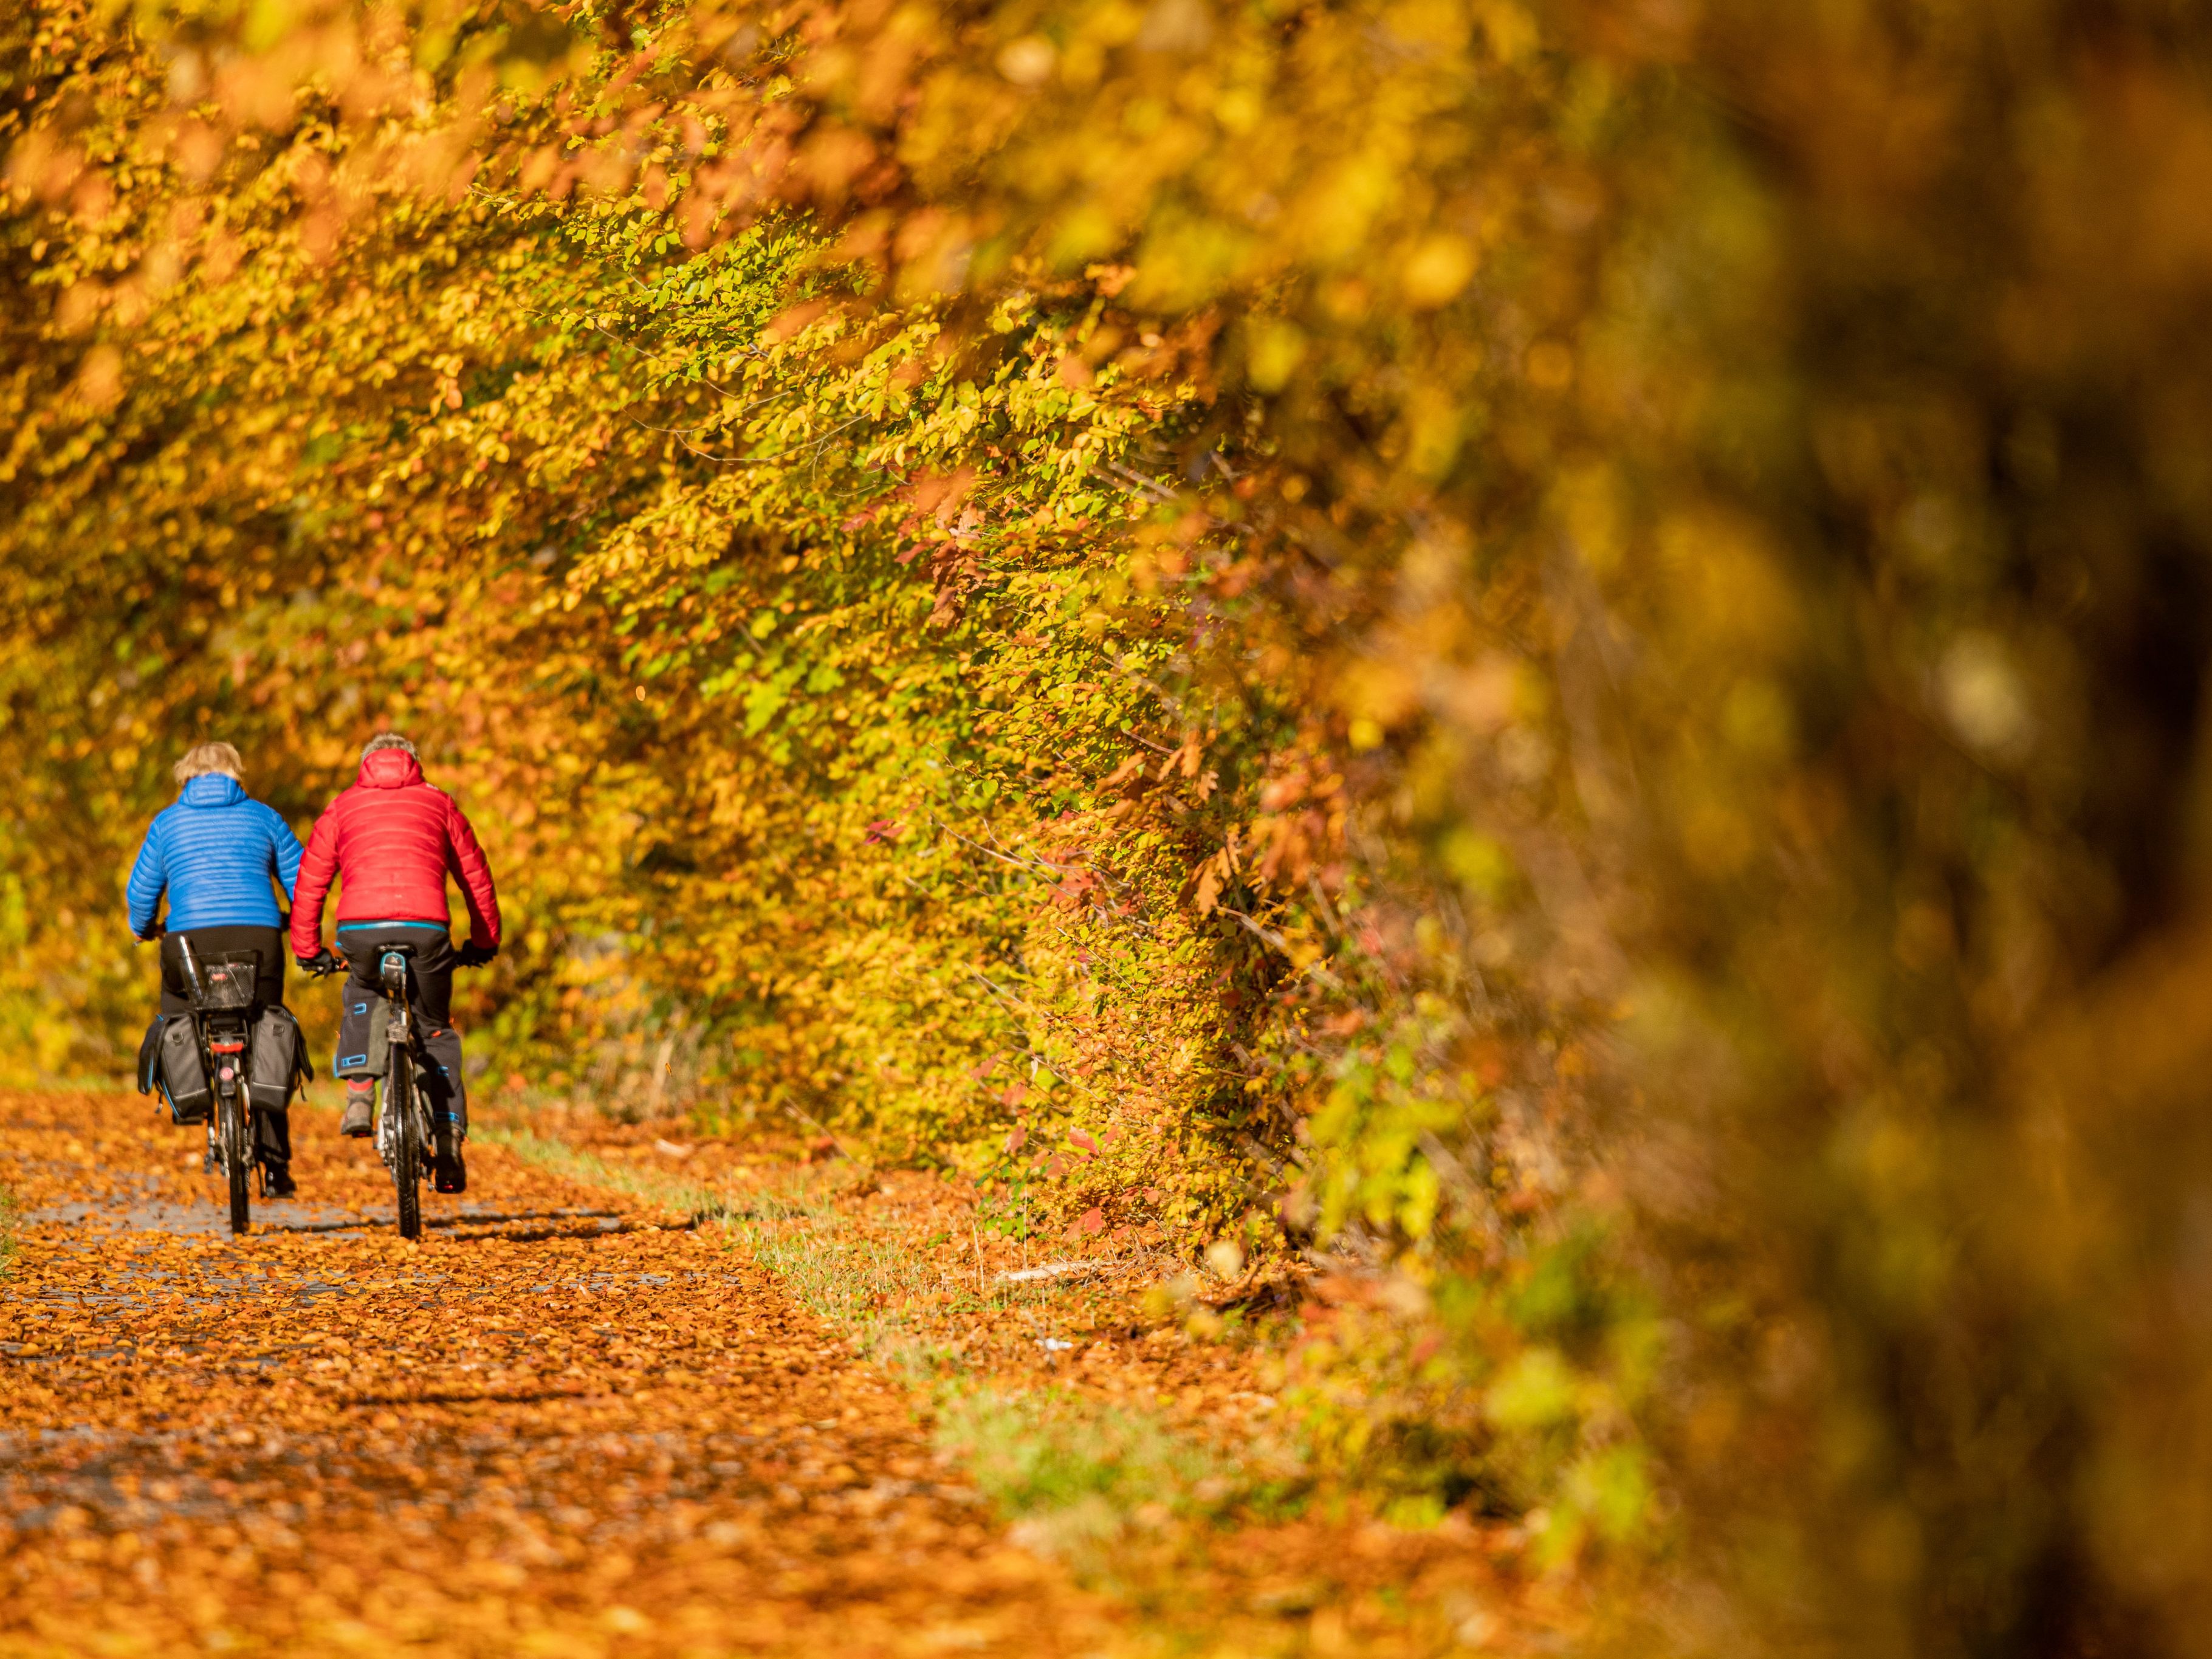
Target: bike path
559,1424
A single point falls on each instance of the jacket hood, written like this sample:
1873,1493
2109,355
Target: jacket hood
212,789
390,768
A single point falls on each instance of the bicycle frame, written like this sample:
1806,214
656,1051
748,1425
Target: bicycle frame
403,1126
399,1034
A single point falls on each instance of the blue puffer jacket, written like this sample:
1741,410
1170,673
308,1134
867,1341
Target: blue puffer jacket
214,852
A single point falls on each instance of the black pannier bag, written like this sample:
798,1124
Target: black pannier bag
184,1071
278,1060
150,1057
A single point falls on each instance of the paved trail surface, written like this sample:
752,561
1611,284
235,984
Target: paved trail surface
558,1426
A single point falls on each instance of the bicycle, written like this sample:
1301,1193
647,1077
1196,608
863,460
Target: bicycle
223,1000
403,1134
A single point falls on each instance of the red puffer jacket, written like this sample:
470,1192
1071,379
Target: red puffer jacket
390,839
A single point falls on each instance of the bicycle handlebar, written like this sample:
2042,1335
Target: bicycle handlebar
337,961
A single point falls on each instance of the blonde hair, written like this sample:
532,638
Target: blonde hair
205,757
384,740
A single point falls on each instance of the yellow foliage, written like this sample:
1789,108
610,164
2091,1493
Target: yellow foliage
1244,580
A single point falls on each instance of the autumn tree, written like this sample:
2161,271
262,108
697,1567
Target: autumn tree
1554,649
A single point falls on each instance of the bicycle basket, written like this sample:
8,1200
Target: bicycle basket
226,982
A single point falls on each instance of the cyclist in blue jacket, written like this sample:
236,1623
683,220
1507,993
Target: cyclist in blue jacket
215,853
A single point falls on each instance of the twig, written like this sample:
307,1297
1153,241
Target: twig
1150,487
1004,995
1054,1270
723,460
1327,911
1269,937
1031,863
1157,748
1266,935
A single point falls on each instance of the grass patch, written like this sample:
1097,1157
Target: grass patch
8,1211
891,1296
669,1192
793,1230
868,1286
1077,1476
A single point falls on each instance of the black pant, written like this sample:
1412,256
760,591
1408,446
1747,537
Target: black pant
430,988
272,1131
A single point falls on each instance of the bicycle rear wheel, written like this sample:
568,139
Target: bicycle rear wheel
406,1143
237,1159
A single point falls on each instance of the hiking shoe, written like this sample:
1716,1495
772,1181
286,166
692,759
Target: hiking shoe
276,1178
449,1170
360,1119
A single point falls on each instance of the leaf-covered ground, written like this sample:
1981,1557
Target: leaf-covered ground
545,1429
575,1420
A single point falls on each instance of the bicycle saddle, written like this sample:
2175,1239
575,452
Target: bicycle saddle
392,966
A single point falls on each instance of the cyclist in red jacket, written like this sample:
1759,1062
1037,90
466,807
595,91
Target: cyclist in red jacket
390,841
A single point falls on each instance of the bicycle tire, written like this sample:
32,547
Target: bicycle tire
406,1144
237,1161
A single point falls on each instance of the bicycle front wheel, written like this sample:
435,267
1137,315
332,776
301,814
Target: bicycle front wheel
406,1144
237,1159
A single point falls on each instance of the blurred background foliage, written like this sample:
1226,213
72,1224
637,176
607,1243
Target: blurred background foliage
1548,656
